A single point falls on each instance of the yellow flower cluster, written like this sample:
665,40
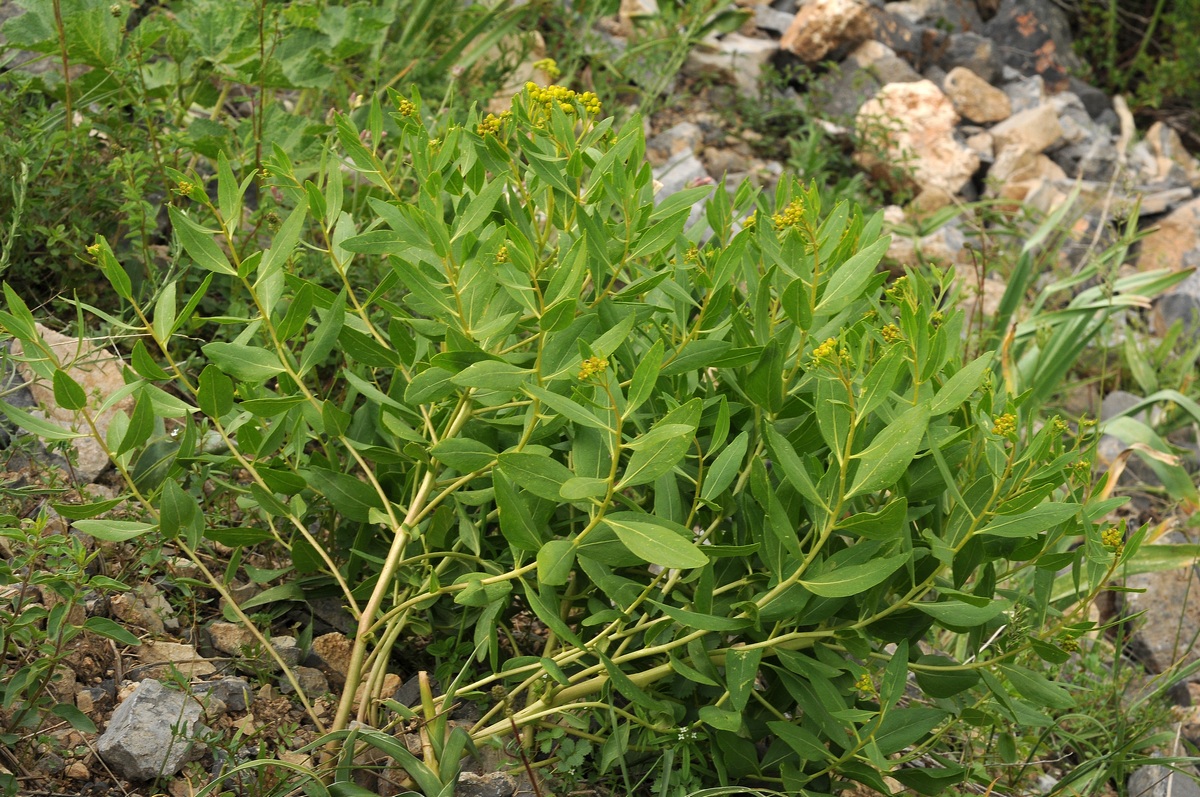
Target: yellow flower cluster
899,290
406,107
1005,425
1112,539
564,97
891,333
826,351
936,319
864,684
750,221
184,188
790,216
1068,644
548,67
592,366
93,250
490,126
502,254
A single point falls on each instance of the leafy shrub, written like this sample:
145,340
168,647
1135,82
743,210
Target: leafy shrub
712,481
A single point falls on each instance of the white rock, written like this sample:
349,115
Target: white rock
975,98
1031,131
822,26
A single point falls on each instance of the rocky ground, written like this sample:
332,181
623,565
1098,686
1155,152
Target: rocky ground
976,100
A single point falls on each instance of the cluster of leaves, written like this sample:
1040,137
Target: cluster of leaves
741,488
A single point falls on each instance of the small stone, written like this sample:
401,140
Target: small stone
391,682
84,701
974,52
772,20
670,142
974,98
77,771
1167,148
331,655
172,655
1029,131
311,680
735,59
150,733
682,171
285,646
493,784
822,27
233,692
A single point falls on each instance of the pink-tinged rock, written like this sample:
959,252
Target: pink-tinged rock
824,26
916,123
1172,160
975,98
1176,242
1030,131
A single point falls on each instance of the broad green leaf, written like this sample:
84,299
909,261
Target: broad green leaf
611,340
144,365
74,717
579,488
804,742
784,455
902,727
199,244
887,458
68,393
141,425
649,461
326,337
1036,688
492,375
554,562
880,380
704,622
432,384
537,473
463,454
961,614
725,468
887,523
566,407
516,522
111,630
653,541
350,496
959,387
215,392
1031,523
842,582
478,209
741,670
848,281
949,679
243,362
722,719
546,609
114,530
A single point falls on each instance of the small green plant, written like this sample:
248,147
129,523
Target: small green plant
719,484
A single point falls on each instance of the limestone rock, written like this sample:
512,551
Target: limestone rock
772,19
1030,131
683,170
1176,242
99,374
331,655
916,121
1167,149
151,732
233,692
734,59
822,27
974,52
958,14
1169,605
230,638
1182,304
173,655
1024,92
975,98
1160,781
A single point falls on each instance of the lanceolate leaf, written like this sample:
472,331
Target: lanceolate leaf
1028,524
656,543
651,460
247,363
849,580
889,455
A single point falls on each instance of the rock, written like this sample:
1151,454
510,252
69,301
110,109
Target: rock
672,141
1169,154
99,374
76,770
683,170
231,638
974,98
916,122
1156,202
1160,781
1034,37
331,655
974,52
945,246
172,655
903,38
1169,605
1086,148
882,63
391,682
285,646
772,20
1180,304
151,732
825,27
734,59
1029,131
311,680
1095,101
956,14
1176,243
233,692
983,145
493,784
1025,92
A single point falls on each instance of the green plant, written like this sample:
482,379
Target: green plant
738,486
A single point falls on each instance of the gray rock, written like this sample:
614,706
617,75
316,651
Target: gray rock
841,91
683,170
493,784
311,680
1118,401
151,733
1169,607
1094,100
1160,781
772,20
1025,92
1182,304
233,692
973,51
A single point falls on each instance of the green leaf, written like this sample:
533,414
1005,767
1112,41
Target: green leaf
784,455
888,523
74,717
180,513
351,497
725,468
554,562
703,622
963,615
199,244
880,380
68,393
653,541
842,582
141,425
516,522
463,454
1036,688
477,211
492,375
806,743
653,459
85,511
246,363
566,407
887,458
326,336
721,719
960,386
144,365
950,679
764,383
1031,523
579,488
741,670
848,281
37,426
903,727
114,530
547,612
110,630
432,384
631,691
215,392
537,473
